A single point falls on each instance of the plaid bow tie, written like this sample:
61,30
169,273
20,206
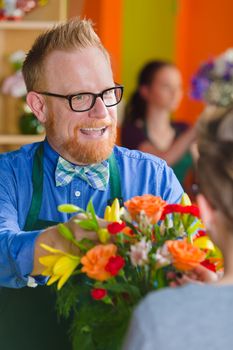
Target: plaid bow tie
96,175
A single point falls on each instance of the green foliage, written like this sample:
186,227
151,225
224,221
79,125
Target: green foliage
95,325
86,224
65,232
131,290
69,208
161,278
98,326
90,209
90,223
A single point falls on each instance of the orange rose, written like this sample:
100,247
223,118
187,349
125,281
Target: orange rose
185,255
96,259
151,205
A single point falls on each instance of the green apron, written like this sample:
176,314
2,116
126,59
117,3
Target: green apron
28,318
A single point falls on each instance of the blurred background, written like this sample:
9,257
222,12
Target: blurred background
186,32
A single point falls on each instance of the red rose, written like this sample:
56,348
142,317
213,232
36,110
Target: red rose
178,208
200,233
210,266
114,265
115,227
98,293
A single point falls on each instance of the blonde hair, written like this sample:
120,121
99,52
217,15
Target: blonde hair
215,163
73,34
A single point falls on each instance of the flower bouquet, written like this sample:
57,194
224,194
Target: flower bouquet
14,86
142,246
213,82
16,9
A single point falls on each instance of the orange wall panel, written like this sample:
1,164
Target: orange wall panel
204,30
107,17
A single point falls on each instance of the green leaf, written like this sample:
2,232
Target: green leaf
122,239
192,229
185,218
65,232
176,220
157,233
91,210
122,287
85,244
161,279
88,243
191,220
107,300
87,224
133,228
69,208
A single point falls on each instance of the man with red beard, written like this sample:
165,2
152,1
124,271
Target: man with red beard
72,92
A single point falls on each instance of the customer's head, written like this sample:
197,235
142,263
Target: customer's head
159,86
215,170
68,60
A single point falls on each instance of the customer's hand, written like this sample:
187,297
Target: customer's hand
199,275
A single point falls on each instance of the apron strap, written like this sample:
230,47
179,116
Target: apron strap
37,182
115,181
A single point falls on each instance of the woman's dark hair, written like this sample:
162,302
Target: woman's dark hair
215,163
136,107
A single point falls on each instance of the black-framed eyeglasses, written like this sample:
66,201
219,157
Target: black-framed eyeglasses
84,101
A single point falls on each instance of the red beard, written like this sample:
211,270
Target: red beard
94,151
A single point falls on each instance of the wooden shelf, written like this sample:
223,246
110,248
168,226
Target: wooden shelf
20,139
30,25
20,35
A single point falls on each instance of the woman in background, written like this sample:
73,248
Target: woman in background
198,316
147,124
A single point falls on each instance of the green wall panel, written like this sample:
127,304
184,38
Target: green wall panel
148,33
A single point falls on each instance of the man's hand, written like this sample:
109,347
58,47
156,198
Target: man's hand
80,233
54,239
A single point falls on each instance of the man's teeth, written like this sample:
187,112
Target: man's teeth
94,129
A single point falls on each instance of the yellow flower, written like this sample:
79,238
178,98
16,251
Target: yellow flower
103,235
59,265
204,242
113,213
185,200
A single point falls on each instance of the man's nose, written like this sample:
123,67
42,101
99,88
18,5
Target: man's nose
99,110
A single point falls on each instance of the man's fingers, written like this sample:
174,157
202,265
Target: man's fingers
103,223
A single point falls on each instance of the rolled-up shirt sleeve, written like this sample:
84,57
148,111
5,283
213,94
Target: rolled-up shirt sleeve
16,259
16,246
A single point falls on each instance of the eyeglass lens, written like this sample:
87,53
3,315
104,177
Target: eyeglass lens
84,101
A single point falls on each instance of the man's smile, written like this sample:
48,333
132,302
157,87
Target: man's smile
94,132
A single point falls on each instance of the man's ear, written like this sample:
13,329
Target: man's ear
37,104
206,210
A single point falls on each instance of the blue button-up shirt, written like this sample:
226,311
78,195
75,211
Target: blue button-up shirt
140,173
